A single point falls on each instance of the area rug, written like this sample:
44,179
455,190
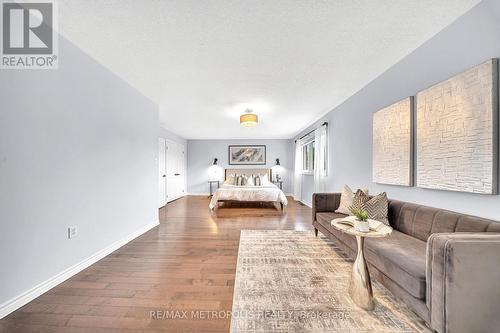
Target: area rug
291,281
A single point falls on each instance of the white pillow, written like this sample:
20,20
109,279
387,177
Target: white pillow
250,181
265,179
347,199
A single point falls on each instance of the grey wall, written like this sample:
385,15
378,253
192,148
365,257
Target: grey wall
201,154
471,40
78,146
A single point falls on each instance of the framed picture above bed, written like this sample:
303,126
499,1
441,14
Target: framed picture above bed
247,155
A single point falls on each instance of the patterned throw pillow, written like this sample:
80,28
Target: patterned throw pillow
346,200
377,207
358,200
257,180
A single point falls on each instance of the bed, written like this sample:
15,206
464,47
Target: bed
265,193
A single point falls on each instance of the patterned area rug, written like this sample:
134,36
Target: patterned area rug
291,281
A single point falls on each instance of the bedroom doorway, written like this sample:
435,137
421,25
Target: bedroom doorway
176,173
172,173
162,172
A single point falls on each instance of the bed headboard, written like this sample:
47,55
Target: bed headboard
248,172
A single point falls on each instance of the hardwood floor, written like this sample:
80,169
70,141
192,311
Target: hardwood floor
188,263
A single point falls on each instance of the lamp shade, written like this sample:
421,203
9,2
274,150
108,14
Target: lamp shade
249,119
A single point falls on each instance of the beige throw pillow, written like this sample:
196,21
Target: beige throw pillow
230,179
377,207
346,200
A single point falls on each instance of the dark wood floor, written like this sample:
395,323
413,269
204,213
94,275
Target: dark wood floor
187,263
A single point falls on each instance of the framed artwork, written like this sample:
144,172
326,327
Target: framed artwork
457,132
393,144
247,155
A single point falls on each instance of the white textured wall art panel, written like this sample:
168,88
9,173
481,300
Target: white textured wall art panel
392,144
457,132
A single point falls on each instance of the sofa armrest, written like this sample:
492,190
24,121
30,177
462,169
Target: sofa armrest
463,274
324,202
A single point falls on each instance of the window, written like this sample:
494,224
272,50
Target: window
308,158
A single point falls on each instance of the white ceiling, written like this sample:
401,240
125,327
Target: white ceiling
205,61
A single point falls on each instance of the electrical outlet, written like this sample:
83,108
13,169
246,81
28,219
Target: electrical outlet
72,231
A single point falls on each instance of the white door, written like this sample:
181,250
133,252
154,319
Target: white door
162,172
176,181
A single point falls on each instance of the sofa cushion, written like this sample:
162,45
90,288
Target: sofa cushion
345,238
325,220
401,258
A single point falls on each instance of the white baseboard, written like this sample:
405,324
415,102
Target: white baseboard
29,295
175,198
308,204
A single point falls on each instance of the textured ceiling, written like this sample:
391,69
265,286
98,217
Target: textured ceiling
204,62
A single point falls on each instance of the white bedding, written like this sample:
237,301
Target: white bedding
266,193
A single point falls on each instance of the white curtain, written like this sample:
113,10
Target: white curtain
320,158
297,176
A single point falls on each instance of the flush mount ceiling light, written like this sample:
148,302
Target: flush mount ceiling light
249,119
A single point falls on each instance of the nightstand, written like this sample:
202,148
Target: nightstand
211,182
278,183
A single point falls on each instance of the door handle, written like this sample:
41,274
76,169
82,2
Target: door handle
177,174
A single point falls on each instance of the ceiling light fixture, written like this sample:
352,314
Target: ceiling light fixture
249,119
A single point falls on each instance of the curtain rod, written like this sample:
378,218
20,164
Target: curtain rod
303,136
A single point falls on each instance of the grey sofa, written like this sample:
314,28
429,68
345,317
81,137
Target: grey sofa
444,265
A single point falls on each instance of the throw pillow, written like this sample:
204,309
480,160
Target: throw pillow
230,179
257,180
250,181
359,199
346,200
377,207
264,179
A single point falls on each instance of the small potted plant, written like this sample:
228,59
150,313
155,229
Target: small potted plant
362,223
